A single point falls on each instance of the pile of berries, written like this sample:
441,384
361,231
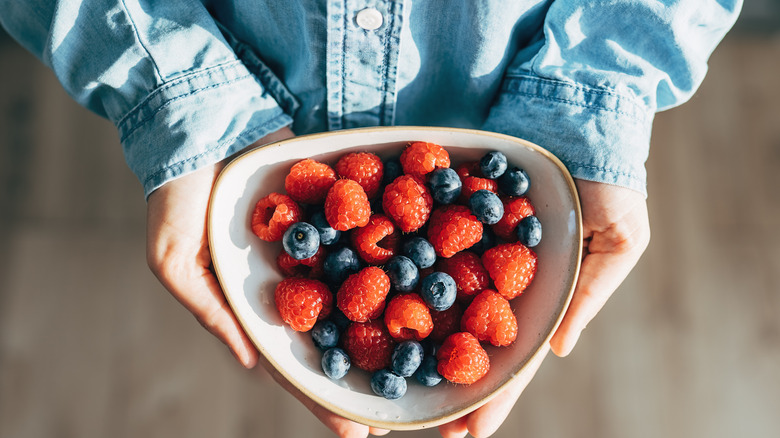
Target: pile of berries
403,267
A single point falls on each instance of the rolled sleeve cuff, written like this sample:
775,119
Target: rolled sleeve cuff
599,135
197,120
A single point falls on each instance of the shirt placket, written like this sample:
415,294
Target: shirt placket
363,44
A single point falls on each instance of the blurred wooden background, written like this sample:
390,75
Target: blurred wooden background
92,346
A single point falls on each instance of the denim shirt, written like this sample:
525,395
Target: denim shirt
188,82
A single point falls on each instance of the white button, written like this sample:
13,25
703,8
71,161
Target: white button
369,19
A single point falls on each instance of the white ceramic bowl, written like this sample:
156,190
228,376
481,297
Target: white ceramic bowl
247,271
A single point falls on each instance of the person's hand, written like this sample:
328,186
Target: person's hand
178,254
616,232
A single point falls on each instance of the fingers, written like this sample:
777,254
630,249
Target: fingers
486,420
616,226
178,254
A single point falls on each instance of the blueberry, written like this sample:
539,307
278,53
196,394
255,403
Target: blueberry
301,240
427,373
529,231
407,357
335,363
325,334
438,290
339,318
493,164
340,264
387,384
486,206
514,182
445,185
403,273
391,169
420,251
487,241
328,234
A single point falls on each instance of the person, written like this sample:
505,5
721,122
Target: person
190,83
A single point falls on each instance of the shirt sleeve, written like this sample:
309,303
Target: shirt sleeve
589,87
182,93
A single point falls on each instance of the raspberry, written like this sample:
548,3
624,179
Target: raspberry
445,322
362,295
347,206
469,274
421,158
407,201
511,266
515,209
368,345
489,317
462,359
272,216
364,168
407,317
309,181
301,301
377,242
469,168
473,183
453,228
309,268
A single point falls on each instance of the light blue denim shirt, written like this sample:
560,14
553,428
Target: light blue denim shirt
190,82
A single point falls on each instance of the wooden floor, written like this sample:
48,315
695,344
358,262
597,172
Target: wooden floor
92,346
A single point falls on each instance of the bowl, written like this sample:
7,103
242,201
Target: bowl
246,269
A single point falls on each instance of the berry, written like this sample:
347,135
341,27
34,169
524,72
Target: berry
309,181
515,209
421,158
427,374
487,241
493,164
420,251
529,231
511,266
514,182
301,301
312,267
407,317
407,201
438,290
376,242
362,295
387,384
340,264
273,214
445,322
364,168
347,206
470,168
328,235
453,228
368,345
325,334
335,363
469,274
403,273
486,206
462,359
473,183
392,170
406,358
445,185
301,240
489,317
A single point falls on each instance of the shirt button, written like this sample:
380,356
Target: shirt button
369,19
